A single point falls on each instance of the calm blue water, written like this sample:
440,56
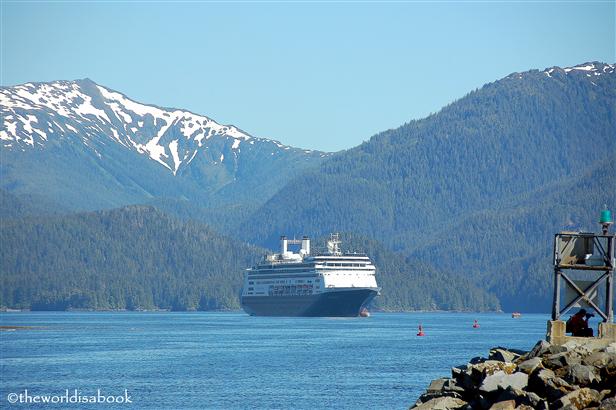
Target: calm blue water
231,360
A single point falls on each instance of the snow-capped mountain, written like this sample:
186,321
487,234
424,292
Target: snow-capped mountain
590,70
35,114
68,129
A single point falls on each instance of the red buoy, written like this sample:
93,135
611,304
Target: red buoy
421,332
476,324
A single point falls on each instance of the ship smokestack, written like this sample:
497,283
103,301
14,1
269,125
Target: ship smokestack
283,245
306,245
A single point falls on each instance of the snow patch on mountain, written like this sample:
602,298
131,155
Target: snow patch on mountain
37,114
590,69
173,146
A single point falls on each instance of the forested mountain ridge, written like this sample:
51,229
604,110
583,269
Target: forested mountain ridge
135,257
509,250
477,189
483,151
139,258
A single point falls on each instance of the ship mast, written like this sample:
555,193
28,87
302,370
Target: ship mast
333,244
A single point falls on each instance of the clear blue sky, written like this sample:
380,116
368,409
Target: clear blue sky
311,74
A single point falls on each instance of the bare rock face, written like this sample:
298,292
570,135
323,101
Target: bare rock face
577,375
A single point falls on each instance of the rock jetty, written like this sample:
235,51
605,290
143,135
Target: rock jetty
576,375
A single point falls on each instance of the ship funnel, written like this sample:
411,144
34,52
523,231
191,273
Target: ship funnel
306,245
283,245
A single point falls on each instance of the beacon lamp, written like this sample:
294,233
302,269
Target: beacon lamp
606,220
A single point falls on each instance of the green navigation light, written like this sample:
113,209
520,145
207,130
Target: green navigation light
606,216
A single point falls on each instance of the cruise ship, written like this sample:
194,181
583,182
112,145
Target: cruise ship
332,283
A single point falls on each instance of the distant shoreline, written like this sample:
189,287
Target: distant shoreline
5,310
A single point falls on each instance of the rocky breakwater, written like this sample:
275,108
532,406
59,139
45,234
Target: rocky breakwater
576,375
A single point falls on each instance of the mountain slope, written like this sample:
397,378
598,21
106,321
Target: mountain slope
139,258
128,258
509,138
86,147
477,189
510,250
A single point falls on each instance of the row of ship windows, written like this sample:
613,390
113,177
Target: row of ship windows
271,282
285,290
279,271
348,265
290,290
303,269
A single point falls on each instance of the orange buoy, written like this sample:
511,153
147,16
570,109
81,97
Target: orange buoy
476,324
421,332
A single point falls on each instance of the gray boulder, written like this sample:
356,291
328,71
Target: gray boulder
536,402
452,386
504,405
437,385
501,380
546,384
441,403
528,366
517,395
559,360
522,398
462,376
541,348
441,388
608,404
481,370
583,375
471,375
503,355
553,349
579,399
600,359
